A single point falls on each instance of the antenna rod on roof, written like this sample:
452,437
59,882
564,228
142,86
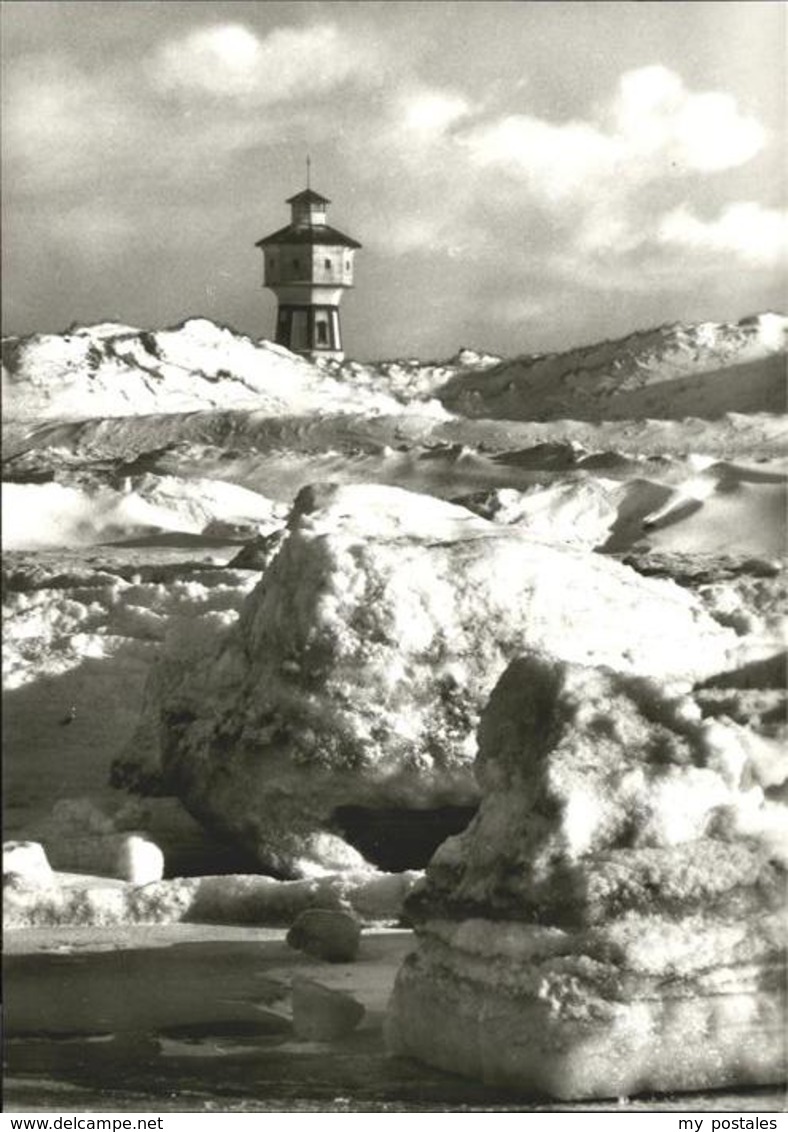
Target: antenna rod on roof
308,170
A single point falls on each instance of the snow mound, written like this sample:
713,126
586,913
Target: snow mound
409,379
58,627
359,664
722,510
27,862
72,900
55,514
702,370
578,513
111,370
622,887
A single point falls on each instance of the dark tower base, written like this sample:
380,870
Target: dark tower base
309,329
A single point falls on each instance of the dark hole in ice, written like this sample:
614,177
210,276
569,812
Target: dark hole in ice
397,839
204,855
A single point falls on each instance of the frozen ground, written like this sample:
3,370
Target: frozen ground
216,1037
138,464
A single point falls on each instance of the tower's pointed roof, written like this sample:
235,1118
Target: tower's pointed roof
313,234
309,232
307,196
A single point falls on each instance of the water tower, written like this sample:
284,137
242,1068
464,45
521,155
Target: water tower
308,265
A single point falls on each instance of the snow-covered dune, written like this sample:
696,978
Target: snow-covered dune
111,370
703,370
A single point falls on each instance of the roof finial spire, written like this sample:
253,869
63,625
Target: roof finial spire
308,171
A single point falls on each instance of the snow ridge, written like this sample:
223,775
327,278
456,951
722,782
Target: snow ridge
682,369
111,370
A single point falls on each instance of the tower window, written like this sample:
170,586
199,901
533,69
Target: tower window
322,330
296,264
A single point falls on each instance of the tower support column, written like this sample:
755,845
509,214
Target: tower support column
306,328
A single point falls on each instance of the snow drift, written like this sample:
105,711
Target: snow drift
55,514
675,371
110,370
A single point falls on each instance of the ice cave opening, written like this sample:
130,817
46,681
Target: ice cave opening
395,838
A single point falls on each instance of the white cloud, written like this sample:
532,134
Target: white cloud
224,59
653,126
654,114
607,182
408,124
432,112
606,232
595,193
554,160
406,148
711,133
647,93
229,61
756,234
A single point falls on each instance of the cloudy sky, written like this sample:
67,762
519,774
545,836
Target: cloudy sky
523,175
